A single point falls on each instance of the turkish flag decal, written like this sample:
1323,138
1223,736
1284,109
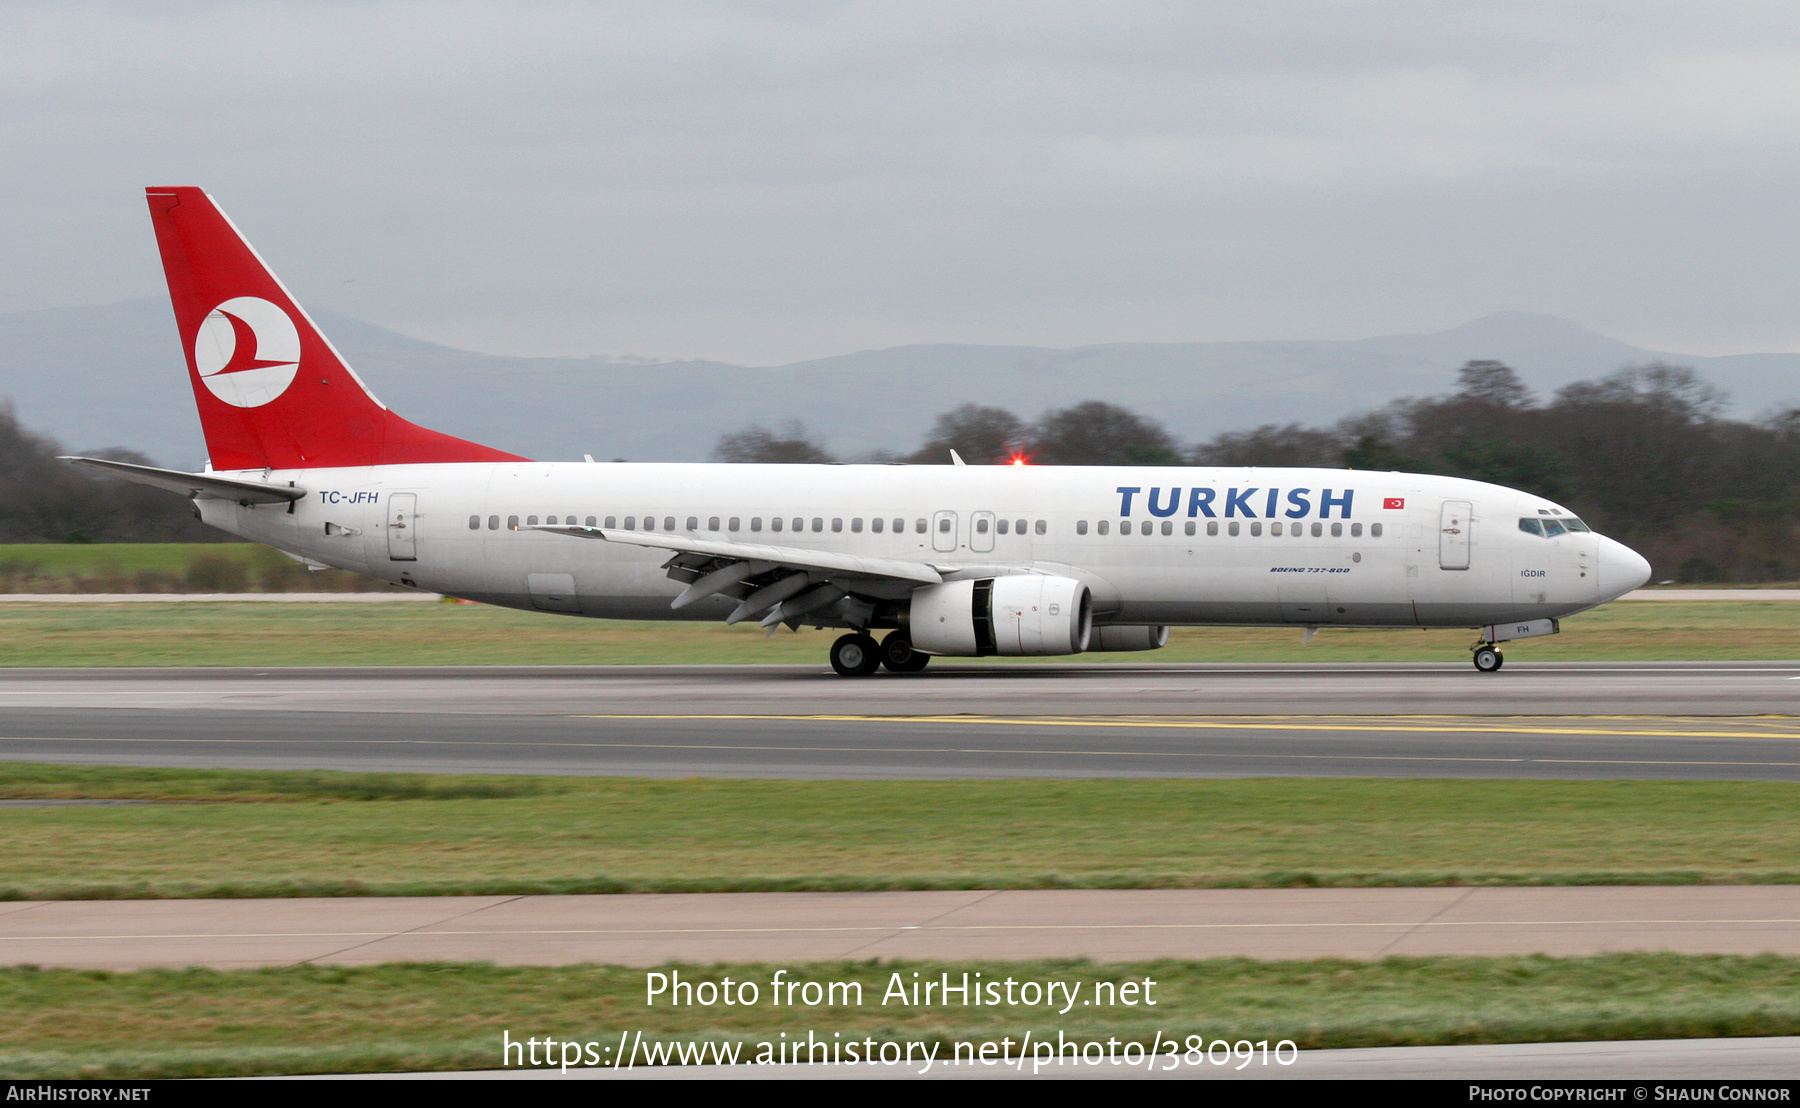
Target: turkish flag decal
1394,502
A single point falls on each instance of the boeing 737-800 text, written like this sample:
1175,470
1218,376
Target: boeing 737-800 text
947,560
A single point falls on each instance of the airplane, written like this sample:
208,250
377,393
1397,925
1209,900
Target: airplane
943,560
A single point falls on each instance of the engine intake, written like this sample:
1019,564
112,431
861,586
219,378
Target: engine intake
1023,614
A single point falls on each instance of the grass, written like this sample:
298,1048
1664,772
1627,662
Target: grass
152,567
220,634
347,834
193,1023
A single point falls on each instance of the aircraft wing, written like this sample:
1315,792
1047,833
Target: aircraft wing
781,584
797,557
195,484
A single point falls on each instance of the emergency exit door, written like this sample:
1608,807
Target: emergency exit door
943,531
1455,530
403,527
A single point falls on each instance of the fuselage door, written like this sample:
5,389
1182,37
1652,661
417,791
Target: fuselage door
1456,529
403,527
943,531
981,532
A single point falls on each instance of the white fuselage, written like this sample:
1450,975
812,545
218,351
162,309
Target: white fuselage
1183,546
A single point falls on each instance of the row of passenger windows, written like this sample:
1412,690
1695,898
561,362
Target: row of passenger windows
777,523
1232,527
920,526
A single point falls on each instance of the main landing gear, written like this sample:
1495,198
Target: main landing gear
858,655
1487,657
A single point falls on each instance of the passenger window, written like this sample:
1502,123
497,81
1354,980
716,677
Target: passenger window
1212,527
1233,528
731,524
1356,530
1146,527
694,524
512,523
669,523
1190,528
856,525
613,521
799,524
590,522
712,523
550,521
531,521
944,525
877,524
474,523
1275,529
649,523
981,526
1337,530
1374,530
630,523
493,523
755,523
775,523
1318,529
918,525
818,524
838,525
1103,526
1041,527
1553,528
1256,528
1168,528
1000,526
1081,527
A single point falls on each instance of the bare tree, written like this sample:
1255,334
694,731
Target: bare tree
791,442
979,435
1095,433
1273,445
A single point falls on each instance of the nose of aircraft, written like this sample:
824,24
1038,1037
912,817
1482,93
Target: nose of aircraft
1621,569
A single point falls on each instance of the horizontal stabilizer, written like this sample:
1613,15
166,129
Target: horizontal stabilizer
779,555
195,484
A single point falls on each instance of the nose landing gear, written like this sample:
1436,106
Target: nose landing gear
1487,658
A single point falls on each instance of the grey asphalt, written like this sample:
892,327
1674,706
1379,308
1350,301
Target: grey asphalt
1726,720
1106,925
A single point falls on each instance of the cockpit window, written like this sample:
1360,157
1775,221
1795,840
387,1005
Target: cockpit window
1574,524
1531,527
1553,528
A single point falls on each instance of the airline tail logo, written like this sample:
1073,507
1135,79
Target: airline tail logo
247,351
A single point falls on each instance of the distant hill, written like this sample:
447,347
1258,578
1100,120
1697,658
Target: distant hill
112,375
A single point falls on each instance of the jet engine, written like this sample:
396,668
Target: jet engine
1027,613
1129,636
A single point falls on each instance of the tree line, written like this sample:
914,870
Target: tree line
1645,455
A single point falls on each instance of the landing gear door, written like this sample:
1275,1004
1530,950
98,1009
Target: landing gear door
943,531
1456,529
403,527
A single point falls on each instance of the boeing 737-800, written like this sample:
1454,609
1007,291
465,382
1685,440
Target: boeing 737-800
947,560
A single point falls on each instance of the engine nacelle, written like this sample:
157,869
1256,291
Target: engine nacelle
1128,636
1027,613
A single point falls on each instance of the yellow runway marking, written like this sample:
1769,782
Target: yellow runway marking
1414,724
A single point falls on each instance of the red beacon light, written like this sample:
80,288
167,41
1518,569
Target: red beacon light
1019,460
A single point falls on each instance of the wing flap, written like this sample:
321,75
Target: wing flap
798,557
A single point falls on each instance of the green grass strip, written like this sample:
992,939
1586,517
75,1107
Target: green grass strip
261,634
274,833
309,1019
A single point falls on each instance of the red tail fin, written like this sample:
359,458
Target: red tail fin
273,392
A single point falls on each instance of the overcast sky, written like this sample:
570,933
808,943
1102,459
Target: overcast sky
767,182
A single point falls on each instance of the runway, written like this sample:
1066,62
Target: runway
1737,720
1113,925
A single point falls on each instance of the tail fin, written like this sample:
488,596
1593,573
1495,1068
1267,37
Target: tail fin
272,391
